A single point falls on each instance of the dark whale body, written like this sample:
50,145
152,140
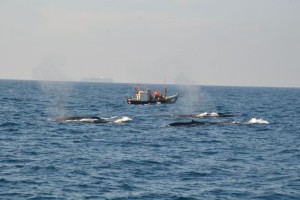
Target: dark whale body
194,123
187,123
225,115
81,119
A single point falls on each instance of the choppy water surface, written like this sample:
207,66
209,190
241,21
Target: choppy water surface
245,144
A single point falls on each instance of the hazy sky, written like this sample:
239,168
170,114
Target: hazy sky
206,42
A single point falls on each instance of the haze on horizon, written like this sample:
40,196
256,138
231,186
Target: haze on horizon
205,42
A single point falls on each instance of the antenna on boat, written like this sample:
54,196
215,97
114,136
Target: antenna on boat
165,89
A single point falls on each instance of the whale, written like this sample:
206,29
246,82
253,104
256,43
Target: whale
194,123
202,115
81,119
191,123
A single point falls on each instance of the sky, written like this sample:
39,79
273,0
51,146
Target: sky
202,42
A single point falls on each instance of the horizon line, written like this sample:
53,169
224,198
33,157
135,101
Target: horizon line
179,84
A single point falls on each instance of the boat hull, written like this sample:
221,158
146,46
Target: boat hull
168,100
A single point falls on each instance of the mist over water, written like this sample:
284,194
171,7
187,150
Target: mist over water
58,96
51,77
194,99
194,96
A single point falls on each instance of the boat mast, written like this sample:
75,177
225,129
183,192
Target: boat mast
165,89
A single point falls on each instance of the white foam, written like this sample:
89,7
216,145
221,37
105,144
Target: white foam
87,120
123,119
257,121
81,120
231,122
206,114
214,114
108,118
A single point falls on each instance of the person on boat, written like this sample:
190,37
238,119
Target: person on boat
156,93
136,88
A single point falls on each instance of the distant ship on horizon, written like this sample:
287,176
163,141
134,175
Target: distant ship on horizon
98,80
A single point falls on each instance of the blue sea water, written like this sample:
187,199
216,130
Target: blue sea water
253,153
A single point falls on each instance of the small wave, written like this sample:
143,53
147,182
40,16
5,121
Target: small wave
194,174
9,124
257,121
123,119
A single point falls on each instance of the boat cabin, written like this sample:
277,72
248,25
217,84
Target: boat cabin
147,96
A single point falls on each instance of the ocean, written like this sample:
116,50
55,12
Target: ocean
245,146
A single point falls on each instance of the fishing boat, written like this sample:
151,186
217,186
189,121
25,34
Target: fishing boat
147,96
